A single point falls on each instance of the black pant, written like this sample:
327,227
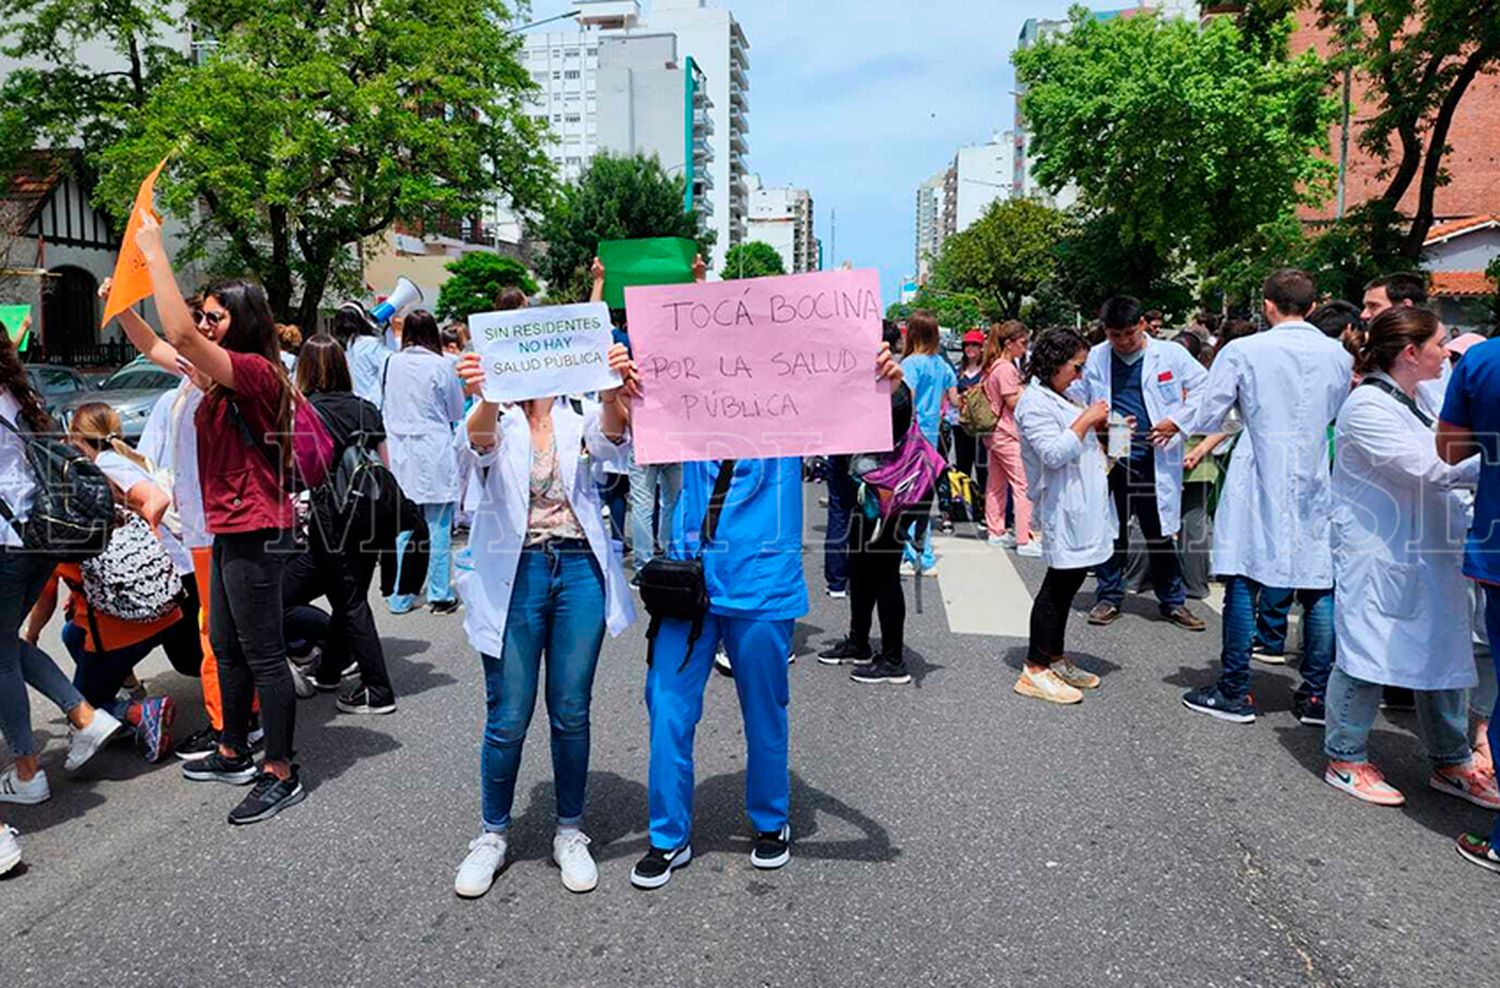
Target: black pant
875,583
245,614
344,578
1049,613
1133,487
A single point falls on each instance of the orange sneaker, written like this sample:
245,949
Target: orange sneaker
1044,684
1363,781
1467,782
1075,677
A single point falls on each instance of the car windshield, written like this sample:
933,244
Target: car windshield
138,378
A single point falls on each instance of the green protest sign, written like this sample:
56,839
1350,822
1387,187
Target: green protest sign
654,261
13,317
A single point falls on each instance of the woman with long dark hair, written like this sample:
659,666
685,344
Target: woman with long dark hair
1065,464
246,411
22,577
366,349
343,555
423,402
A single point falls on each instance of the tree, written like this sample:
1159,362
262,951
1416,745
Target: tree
476,279
1004,256
309,128
618,197
1189,139
1419,58
953,310
752,259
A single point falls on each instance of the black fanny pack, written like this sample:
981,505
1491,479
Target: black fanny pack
677,589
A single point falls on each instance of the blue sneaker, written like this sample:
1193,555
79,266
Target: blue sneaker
154,733
1213,702
401,603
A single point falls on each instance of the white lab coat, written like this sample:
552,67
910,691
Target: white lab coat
170,442
1401,606
1273,519
1067,479
1168,374
367,357
501,503
423,400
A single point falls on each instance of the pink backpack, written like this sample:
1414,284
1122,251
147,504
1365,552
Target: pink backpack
312,446
903,478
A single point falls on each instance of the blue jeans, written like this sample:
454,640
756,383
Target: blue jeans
439,564
650,523
675,681
556,607
1273,609
1239,634
836,539
1133,488
1442,720
1492,626
22,576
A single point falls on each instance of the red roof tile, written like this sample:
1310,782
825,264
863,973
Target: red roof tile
1452,227
1461,284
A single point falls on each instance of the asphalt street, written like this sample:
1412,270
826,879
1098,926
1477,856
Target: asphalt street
947,833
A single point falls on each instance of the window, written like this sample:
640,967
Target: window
557,75
574,161
539,76
571,53
591,52
557,118
540,118
573,118
572,74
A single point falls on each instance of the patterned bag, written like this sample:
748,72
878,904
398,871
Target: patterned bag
133,579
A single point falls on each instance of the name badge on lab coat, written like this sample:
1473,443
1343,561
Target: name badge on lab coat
1167,389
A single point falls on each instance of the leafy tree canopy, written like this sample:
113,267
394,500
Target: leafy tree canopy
1004,256
752,259
618,197
476,279
953,310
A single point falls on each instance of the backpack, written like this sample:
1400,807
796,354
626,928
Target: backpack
361,490
312,446
133,579
73,507
977,416
896,482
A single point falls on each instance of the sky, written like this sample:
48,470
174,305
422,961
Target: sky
860,102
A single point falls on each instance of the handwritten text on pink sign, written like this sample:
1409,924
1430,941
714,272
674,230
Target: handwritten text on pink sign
761,368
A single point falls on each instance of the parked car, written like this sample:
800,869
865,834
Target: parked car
131,391
56,384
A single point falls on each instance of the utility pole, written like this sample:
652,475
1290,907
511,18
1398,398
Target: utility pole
1349,27
833,234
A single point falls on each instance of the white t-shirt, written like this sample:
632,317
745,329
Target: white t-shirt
125,475
16,481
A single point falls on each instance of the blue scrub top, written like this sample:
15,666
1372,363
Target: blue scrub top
930,377
1473,403
754,567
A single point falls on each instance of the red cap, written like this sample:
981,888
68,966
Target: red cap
973,336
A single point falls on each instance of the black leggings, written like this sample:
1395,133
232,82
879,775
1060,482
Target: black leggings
344,578
875,583
1049,613
245,629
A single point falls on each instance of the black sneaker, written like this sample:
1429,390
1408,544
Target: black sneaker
847,652
443,606
882,670
773,848
1213,702
1309,710
655,869
196,747
363,700
269,797
216,768
348,672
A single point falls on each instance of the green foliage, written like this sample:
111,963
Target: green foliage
1185,139
752,259
1004,256
309,128
1094,263
617,197
476,279
953,310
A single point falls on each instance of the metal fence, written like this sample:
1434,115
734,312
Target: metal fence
110,353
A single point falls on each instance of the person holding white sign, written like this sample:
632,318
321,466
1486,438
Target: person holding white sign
546,579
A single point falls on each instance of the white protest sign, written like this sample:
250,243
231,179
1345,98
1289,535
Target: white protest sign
544,352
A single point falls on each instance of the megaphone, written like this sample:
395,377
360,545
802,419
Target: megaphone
404,294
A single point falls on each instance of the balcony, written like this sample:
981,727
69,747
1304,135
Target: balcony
738,76
703,123
739,98
738,144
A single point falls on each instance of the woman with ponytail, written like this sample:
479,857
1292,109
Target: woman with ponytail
242,424
105,648
22,576
1398,536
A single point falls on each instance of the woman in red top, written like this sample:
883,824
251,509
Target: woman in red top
246,409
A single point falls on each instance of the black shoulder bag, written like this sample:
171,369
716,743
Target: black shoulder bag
1381,384
677,588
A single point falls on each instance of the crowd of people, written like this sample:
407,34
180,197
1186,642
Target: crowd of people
1332,460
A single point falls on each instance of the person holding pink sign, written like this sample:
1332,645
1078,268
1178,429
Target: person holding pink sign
752,569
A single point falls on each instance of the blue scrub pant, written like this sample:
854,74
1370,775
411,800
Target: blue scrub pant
439,563
674,698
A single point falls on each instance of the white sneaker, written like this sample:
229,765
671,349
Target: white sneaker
10,849
1005,541
570,850
1031,550
301,684
85,744
477,873
13,790
721,662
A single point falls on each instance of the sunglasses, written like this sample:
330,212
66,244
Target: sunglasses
212,318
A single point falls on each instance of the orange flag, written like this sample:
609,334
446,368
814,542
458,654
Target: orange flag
132,281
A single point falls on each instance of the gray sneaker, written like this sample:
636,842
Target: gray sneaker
85,744
478,871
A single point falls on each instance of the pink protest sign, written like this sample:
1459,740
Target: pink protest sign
766,367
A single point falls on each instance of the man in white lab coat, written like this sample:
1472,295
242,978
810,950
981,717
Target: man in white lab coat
1146,379
1272,527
